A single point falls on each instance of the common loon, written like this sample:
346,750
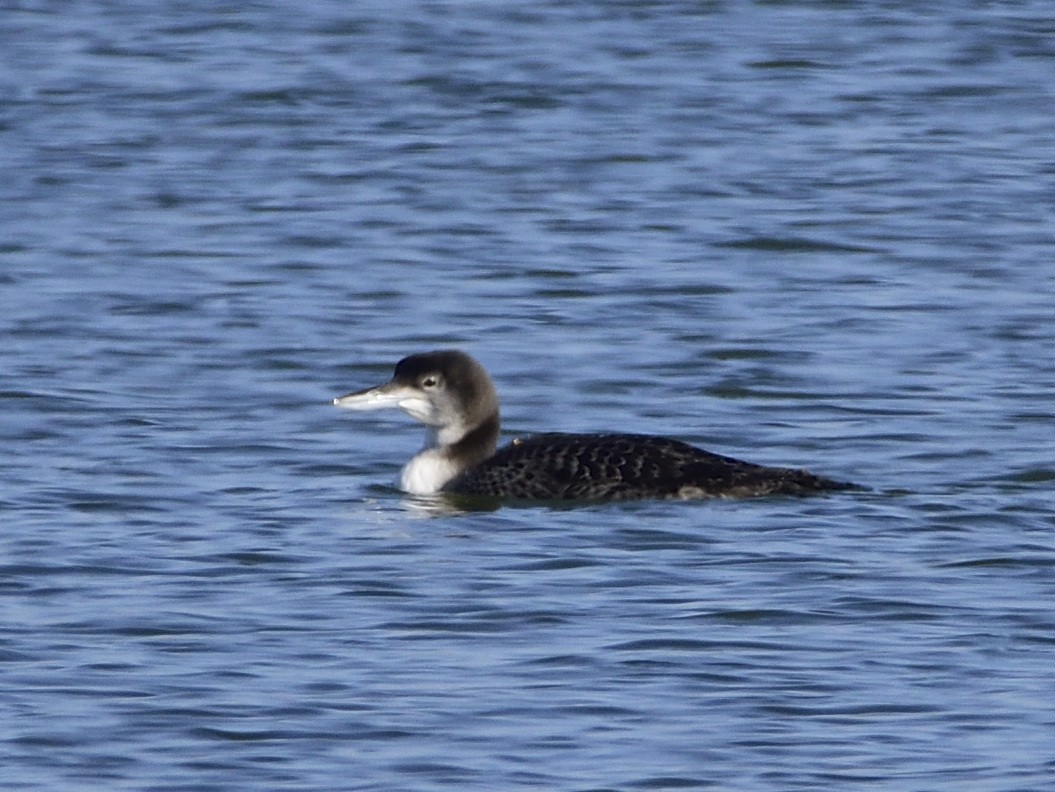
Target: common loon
454,397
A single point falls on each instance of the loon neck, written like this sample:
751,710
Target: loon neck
477,444
439,462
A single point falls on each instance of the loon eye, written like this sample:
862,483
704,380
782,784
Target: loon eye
430,381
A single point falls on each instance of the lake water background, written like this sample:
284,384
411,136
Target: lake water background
816,234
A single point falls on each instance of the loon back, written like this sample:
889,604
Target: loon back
558,466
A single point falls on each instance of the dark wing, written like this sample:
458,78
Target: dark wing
622,467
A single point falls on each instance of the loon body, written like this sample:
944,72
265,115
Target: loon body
454,397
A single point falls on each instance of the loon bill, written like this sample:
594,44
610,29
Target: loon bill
454,397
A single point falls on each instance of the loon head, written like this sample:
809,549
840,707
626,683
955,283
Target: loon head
447,391
450,393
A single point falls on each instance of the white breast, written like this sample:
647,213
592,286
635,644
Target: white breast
427,472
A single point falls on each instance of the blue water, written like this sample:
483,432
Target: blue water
815,234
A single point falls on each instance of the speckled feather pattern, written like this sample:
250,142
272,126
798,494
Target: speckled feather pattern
624,467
